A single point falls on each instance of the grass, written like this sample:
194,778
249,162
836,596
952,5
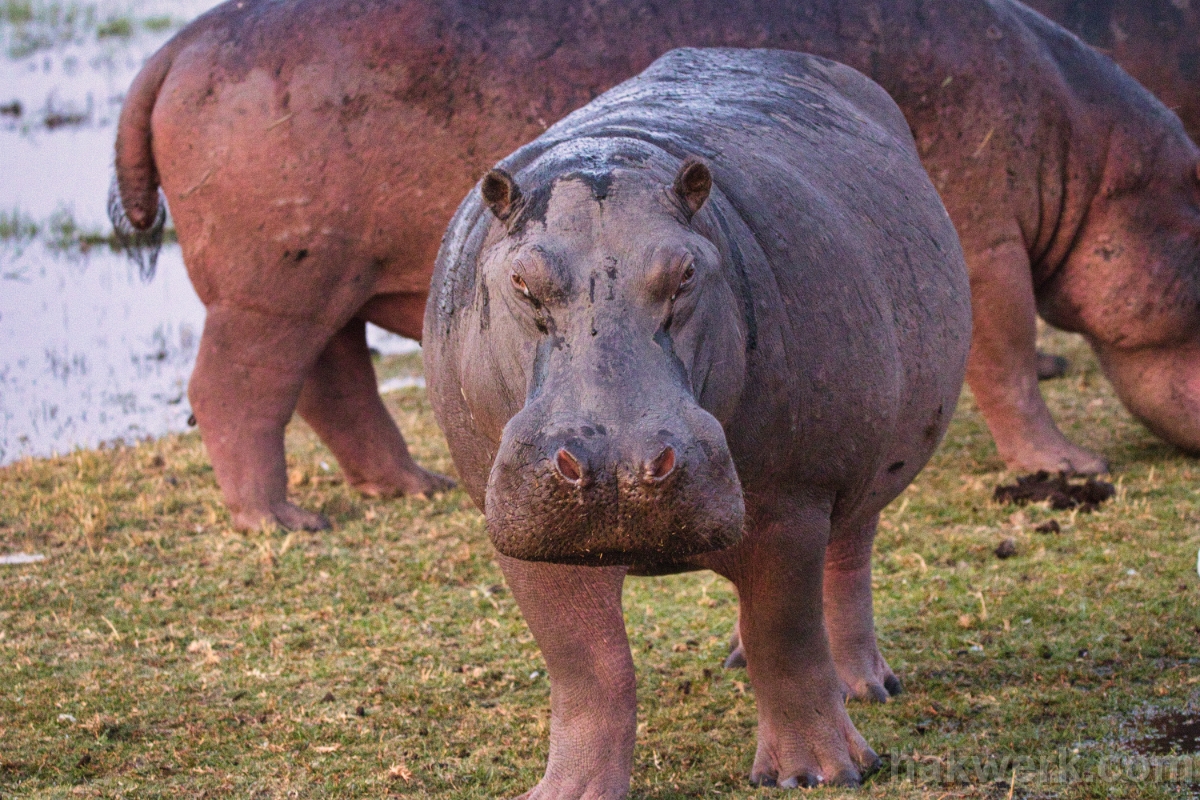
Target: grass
17,228
399,366
157,653
30,26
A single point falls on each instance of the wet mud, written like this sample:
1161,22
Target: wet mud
1170,733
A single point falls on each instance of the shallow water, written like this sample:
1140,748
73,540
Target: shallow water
88,352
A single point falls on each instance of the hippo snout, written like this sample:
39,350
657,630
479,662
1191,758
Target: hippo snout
591,493
574,461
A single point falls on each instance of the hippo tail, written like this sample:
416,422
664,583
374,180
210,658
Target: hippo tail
136,205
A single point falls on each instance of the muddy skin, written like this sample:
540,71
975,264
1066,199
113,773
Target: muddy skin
715,319
312,159
1155,41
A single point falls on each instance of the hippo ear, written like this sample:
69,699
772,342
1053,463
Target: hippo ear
501,193
693,184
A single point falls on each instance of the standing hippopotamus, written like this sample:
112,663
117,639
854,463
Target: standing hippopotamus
312,150
1155,41
715,319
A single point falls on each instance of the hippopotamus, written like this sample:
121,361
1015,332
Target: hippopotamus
715,319
1155,41
312,153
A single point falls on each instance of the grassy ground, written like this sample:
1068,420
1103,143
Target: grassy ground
157,653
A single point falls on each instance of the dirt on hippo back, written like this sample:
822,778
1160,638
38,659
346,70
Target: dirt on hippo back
1059,490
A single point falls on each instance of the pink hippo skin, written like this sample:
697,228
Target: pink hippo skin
715,319
1155,41
312,153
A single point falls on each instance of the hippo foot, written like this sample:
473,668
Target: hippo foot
576,790
831,752
867,677
862,678
1060,457
415,483
1050,366
284,515
737,656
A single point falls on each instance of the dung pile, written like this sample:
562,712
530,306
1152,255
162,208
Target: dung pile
1059,490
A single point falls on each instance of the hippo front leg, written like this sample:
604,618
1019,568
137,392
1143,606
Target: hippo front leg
1002,370
805,737
243,391
575,615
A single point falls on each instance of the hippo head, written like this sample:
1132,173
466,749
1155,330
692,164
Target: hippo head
628,345
1138,252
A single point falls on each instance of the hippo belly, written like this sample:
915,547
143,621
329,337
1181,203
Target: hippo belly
717,317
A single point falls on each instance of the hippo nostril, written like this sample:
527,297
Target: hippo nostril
662,466
568,466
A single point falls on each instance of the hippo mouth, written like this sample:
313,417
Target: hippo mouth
622,517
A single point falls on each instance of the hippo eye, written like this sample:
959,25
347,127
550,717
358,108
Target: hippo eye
689,275
519,284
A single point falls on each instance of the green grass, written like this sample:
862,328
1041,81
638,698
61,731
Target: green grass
401,366
17,227
156,653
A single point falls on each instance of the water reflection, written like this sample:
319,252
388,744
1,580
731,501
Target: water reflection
89,353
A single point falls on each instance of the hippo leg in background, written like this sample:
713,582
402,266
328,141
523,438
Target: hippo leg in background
1051,367
243,391
850,615
1160,386
341,401
1002,369
575,616
805,736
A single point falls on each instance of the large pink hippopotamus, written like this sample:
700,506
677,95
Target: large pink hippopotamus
715,319
312,153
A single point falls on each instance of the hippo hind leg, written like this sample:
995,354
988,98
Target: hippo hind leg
849,619
340,400
243,391
850,615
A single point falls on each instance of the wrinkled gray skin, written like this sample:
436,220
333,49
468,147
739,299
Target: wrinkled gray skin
721,306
